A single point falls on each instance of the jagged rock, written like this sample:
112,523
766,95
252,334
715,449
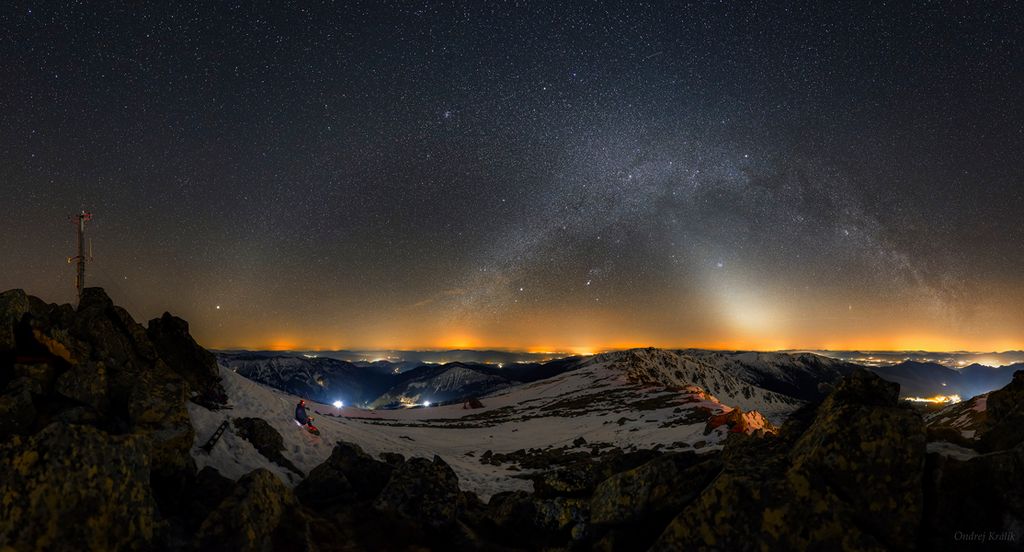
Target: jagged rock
76,488
182,354
266,439
662,486
851,481
738,421
261,514
579,442
983,494
422,490
349,473
1004,421
13,306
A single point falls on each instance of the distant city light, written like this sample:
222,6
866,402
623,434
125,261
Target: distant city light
338,404
937,399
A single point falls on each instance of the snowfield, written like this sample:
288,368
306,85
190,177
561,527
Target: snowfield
597,402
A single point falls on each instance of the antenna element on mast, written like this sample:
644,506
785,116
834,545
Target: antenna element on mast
79,220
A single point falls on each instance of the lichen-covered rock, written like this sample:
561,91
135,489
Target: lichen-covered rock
534,522
76,488
85,383
17,411
157,408
260,510
662,486
852,481
422,490
579,478
266,439
182,354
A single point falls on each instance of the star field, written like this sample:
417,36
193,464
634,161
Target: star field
542,176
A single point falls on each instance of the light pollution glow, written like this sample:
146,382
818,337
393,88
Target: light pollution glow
602,331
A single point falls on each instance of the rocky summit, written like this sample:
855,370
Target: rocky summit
96,441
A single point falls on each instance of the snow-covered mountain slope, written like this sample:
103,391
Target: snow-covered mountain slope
323,379
966,417
803,376
443,383
723,376
534,422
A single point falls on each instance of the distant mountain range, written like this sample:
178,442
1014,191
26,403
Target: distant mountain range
385,383
954,359
928,379
772,383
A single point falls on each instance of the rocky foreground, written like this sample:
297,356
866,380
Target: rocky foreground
95,439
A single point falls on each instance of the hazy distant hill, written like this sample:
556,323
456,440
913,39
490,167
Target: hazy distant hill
928,379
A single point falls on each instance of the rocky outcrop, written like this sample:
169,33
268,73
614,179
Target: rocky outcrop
90,383
261,514
93,365
182,354
266,439
75,488
736,420
852,480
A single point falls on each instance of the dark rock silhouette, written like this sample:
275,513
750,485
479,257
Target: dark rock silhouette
182,354
266,439
348,474
422,489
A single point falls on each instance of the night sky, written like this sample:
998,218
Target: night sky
528,176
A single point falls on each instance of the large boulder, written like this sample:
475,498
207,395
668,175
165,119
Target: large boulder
260,515
182,354
852,480
422,490
348,474
266,439
76,488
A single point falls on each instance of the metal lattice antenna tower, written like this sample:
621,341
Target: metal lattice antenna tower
80,219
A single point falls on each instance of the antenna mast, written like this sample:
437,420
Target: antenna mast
79,220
